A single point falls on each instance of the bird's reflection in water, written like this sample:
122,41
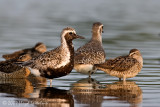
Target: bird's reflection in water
86,91
125,91
90,92
16,87
37,81
34,91
20,88
51,97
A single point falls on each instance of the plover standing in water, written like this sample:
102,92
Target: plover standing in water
123,66
57,62
91,53
38,49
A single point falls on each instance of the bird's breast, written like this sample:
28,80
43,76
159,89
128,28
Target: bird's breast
64,60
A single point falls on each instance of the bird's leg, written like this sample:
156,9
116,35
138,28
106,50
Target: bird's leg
89,76
90,72
50,82
124,79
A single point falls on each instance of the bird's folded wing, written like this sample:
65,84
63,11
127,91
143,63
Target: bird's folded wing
9,66
45,60
119,63
89,56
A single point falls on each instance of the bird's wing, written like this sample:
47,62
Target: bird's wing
89,54
8,66
121,63
17,53
48,59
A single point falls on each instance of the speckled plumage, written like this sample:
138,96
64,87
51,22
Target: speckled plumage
8,68
35,51
92,52
57,62
123,66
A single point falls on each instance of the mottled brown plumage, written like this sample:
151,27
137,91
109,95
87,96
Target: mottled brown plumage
8,68
38,49
91,53
123,66
57,62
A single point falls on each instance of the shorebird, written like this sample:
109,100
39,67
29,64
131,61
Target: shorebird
91,53
8,68
123,66
35,51
57,62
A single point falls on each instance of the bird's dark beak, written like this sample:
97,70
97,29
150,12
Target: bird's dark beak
81,37
102,30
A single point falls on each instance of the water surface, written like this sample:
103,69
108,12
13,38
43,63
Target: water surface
127,25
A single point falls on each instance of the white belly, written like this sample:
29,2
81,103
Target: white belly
84,68
35,72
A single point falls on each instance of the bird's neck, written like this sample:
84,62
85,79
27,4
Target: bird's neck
71,50
139,59
96,37
69,45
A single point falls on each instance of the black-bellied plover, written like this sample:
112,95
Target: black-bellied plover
123,66
57,62
91,53
38,49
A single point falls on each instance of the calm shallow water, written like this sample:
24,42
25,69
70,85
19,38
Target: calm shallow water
127,25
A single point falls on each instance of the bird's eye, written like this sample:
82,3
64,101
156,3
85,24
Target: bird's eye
102,27
70,33
133,53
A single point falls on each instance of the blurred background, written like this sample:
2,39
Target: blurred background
127,24
23,23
